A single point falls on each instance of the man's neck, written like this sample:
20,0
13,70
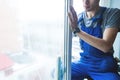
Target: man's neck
92,13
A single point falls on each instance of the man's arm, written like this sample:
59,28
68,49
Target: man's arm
104,44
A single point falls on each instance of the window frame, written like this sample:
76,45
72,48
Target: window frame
67,42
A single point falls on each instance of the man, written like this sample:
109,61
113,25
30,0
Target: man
97,28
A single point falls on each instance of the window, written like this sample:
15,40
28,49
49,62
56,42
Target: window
42,28
42,25
78,6
43,36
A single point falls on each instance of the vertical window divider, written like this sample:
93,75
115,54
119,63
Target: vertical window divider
67,42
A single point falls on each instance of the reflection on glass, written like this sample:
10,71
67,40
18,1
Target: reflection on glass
42,33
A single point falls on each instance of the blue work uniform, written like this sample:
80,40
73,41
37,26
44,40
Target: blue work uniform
94,63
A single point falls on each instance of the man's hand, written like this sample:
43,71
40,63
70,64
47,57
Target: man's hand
73,19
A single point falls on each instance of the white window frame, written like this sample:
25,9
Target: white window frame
67,42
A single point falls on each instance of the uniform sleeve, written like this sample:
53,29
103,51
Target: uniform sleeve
113,19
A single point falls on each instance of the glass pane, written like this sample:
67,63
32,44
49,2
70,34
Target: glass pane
41,23
43,26
78,6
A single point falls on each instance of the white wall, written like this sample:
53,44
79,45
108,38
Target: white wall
115,4
9,32
117,46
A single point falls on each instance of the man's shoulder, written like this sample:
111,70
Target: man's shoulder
112,10
111,13
111,17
